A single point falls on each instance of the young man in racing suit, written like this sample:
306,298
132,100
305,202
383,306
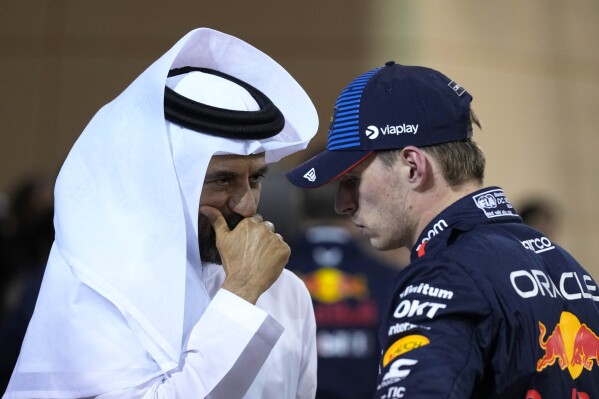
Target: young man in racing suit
488,307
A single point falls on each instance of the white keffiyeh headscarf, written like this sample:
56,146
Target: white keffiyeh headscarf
110,313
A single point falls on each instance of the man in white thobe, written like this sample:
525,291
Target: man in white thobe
130,305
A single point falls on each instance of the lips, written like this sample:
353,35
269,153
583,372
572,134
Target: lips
364,231
360,227
357,224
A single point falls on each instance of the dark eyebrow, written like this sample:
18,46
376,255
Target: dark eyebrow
262,171
220,175
227,175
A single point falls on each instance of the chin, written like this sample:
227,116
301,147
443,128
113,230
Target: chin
378,245
381,245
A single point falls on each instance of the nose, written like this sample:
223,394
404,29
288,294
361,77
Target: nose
245,202
345,199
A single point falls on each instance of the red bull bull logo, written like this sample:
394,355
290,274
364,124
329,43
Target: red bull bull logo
574,346
586,348
330,285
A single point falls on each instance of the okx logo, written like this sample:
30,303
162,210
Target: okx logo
572,345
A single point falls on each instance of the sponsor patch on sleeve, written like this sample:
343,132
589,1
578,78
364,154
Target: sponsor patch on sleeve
404,345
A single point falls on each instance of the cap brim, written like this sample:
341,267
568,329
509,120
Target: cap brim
325,168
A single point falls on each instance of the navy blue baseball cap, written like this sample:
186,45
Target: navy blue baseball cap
389,107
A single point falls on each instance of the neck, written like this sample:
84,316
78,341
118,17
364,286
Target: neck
435,200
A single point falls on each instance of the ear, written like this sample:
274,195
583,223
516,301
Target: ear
416,166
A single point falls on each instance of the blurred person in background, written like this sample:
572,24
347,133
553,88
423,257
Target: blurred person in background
27,236
30,233
543,214
163,281
349,286
6,232
488,307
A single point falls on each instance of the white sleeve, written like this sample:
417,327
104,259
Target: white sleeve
226,349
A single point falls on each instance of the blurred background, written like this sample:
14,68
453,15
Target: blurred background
532,67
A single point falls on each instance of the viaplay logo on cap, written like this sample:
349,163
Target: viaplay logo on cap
372,132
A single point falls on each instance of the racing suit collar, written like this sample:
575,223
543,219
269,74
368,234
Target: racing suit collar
487,205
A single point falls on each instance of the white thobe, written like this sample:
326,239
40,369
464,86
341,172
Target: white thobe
273,341
117,308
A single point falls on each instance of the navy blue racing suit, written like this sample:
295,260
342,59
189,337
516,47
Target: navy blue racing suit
349,290
490,308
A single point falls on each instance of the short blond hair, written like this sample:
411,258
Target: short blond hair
460,161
